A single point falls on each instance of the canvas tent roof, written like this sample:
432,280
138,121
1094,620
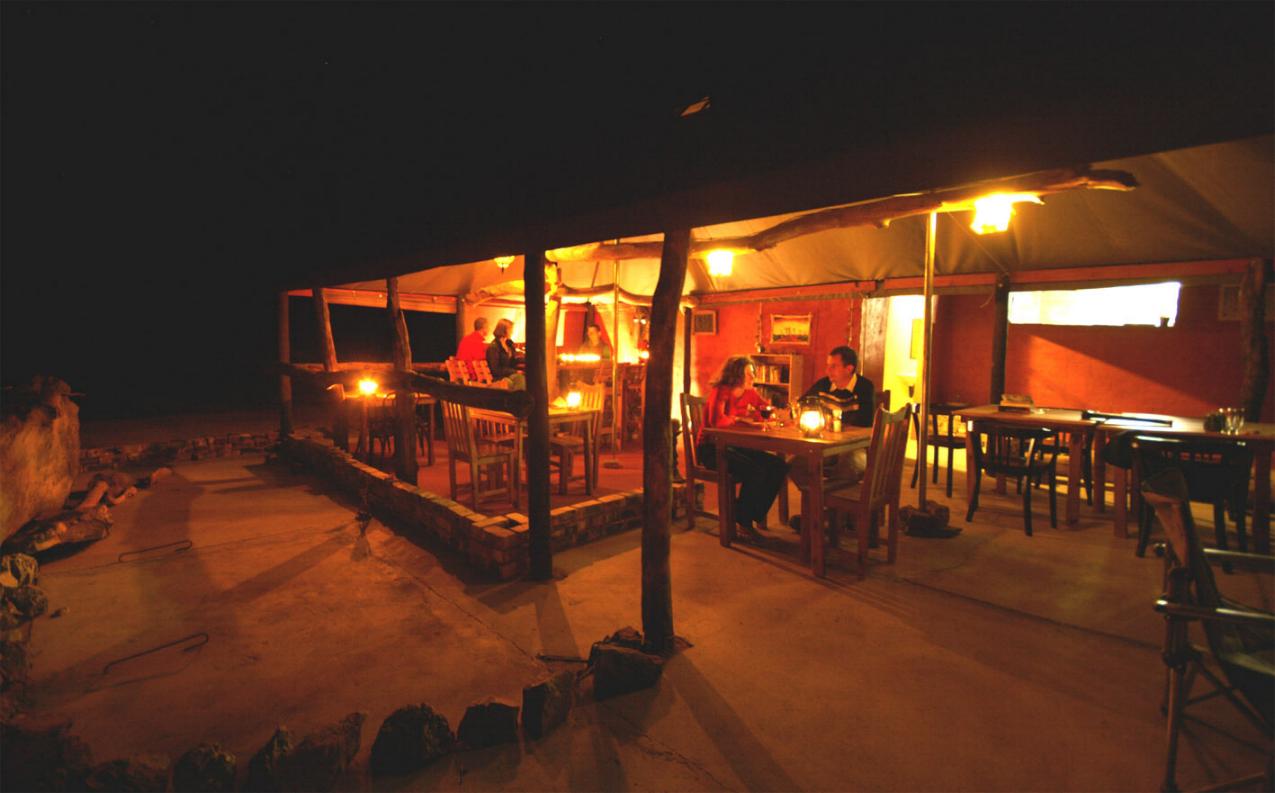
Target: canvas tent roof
1202,203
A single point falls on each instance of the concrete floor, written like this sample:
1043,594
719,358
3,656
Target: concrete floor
990,661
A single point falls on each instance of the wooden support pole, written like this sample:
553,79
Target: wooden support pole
1257,358
927,327
686,351
404,398
285,356
617,388
540,550
657,440
327,347
1000,338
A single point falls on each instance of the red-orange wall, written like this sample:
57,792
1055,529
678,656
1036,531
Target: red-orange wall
741,326
1188,369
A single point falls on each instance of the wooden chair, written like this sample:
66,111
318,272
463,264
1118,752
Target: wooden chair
425,425
457,371
942,435
464,446
1240,639
1060,445
693,417
566,445
878,489
481,372
1015,452
1215,473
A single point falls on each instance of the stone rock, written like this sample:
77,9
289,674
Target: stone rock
43,759
930,522
29,601
140,773
619,670
409,739
207,767
15,661
39,451
547,704
65,528
263,768
17,569
625,637
488,724
317,763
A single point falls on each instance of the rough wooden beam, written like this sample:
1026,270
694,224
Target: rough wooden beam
285,356
540,550
327,347
516,402
1253,342
1000,338
404,398
871,213
657,486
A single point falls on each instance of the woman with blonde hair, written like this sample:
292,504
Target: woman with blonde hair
760,474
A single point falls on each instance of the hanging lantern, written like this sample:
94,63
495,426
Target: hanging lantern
503,262
992,212
720,262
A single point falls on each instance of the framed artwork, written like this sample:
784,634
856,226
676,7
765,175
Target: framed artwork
790,328
703,322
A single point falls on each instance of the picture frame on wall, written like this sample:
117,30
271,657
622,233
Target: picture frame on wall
790,329
703,322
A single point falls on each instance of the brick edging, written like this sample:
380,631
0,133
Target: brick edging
496,545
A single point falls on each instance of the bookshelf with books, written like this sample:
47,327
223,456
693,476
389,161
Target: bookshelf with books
778,377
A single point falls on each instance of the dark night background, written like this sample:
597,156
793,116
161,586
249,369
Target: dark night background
167,168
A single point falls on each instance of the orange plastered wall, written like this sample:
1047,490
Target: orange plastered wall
1188,369
740,326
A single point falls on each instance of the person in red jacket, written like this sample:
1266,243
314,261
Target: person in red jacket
474,346
759,473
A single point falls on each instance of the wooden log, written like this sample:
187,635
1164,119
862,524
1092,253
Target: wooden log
1257,372
686,350
1000,337
517,403
327,347
540,550
553,310
871,213
404,399
657,486
285,356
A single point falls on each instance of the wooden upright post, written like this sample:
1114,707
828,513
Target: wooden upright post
686,350
285,356
1000,337
540,550
404,397
927,327
1257,366
327,346
657,440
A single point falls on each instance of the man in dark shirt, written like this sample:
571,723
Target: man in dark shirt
844,383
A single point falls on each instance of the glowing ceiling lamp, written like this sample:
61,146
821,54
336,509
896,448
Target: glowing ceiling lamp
503,262
992,212
720,261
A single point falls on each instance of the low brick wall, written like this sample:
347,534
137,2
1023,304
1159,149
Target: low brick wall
203,448
495,545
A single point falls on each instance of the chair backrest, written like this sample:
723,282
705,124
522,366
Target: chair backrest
1211,469
1173,511
1005,449
881,480
458,428
937,411
457,371
883,399
481,371
693,411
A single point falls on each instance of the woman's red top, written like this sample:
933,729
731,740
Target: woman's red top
723,406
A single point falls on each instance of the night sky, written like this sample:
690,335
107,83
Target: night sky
166,168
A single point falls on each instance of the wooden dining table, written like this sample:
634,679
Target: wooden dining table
559,418
784,440
1103,426
1260,437
1073,422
